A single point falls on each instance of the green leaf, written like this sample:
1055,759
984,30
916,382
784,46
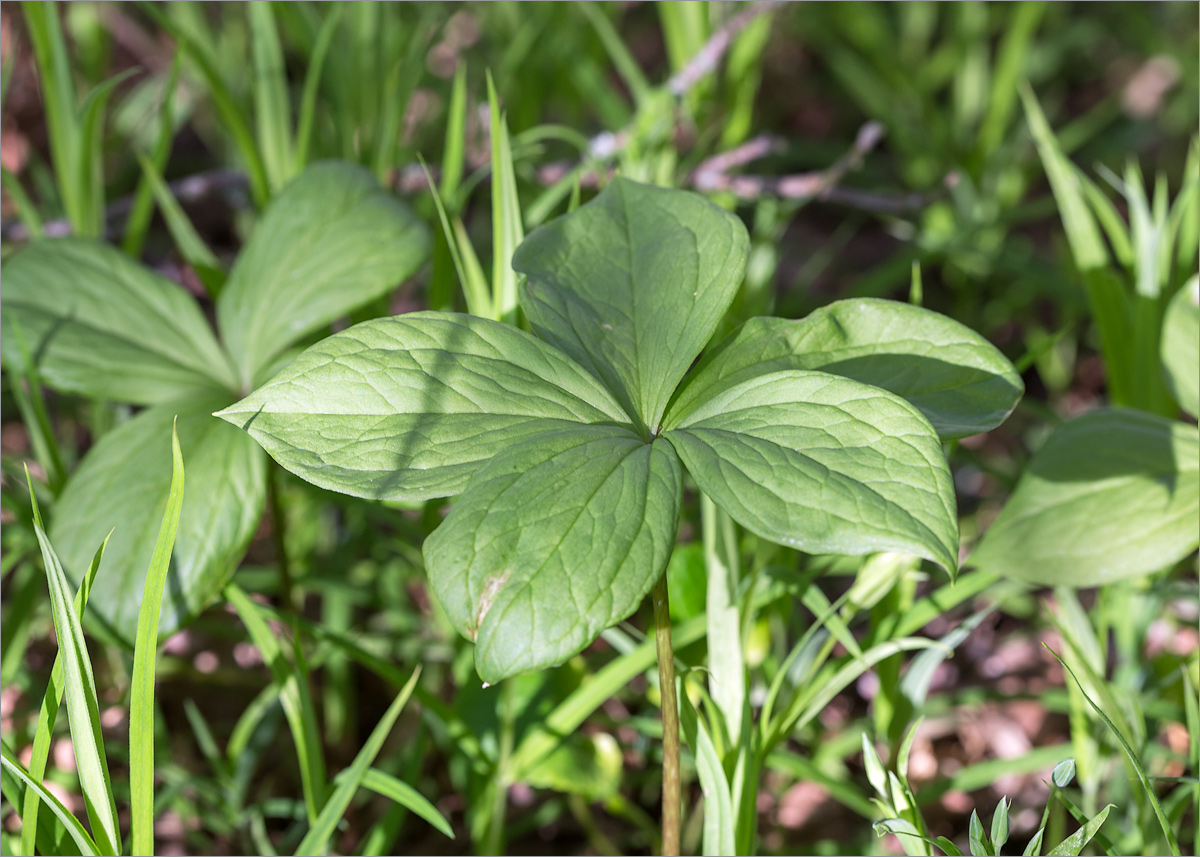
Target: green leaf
1181,346
632,285
1075,843
409,407
719,822
400,792
1063,773
587,765
956,378
553,541
1112,494
823,464
82,840
145,657
101,325
978,840
124,482
271,108
346,784
83,711
1000,824
331,241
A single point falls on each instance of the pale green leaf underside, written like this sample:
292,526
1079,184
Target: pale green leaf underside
956,378
408,407
823,464
632,285
331,241
223,500
1181,346
98,324
1112,494
554,541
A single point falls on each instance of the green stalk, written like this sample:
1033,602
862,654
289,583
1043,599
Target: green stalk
279,537
502,777
672,793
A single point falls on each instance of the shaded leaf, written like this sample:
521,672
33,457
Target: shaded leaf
226,486
632,285
409,407
1181,346
823,464
587,765
332,240
1112,494
101,325
552,542
956,378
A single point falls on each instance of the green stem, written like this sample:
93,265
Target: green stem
279,538
501,778
672,794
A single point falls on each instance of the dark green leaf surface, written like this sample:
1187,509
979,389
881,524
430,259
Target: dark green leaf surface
123,483
101,325
1112,494
331,241
554,541
409,407
1181,346
956,378
632,285
824,464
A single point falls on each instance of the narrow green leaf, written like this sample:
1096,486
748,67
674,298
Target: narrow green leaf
409,407
402,793
272,111
902,829
726,665
632,285
1181,346
956,378
999,833
1111,495
330,242
824,464
90,153
51,701
1135,763
348,782
101,325
980,846
76,830
454,149
189,243
312,85
82,708
553,541
145,657
1077,841
26,210
462,254
507,229
295,698
718,837
140,214
876,774
124,482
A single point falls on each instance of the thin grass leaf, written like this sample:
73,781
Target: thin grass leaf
142,210
402,793
51,701
348,783
294,696
718,837
466,263
1076,842
82,708
455,147
1172,841
187,240
232,118
84,842
26,210
312,84
58,94
901,828
507,231
27,391
145,656
1011,59
272,113
614,46
1191,708
90,152
398,90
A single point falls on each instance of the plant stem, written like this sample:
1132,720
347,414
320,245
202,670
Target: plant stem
279,537
672,800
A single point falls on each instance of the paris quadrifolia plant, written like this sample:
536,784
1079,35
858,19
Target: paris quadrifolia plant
570,448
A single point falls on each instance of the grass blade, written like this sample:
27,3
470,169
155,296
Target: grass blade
187,240
48,715
82,707
294,696
718,804
1075,843
397,790
145,656
462,254
90,151
348,782
70,822
138,222
1172,842
727,668
454,151
507,230
26,210
312,83
272,113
